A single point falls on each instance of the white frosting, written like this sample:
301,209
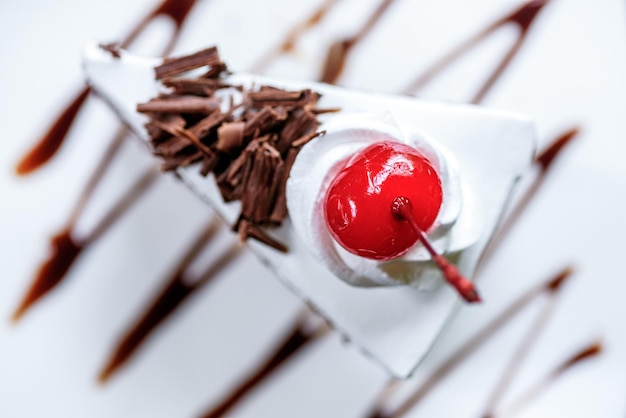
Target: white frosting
313,170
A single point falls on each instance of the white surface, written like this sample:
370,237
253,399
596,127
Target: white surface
571,71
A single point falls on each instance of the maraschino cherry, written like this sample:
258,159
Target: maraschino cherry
359,197
383,201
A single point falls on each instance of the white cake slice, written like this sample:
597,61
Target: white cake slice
393,325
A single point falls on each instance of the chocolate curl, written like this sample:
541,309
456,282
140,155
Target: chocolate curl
174,66
230,136
180,104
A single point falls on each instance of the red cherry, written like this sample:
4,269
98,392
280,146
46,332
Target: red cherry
358,201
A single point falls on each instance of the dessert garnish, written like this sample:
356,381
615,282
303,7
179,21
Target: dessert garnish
185,111
369,203
341,190
359,197
249,147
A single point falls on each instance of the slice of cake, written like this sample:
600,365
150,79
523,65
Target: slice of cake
477,154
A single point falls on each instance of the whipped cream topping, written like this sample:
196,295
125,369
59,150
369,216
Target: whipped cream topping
458,225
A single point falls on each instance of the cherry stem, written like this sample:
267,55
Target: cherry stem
401,209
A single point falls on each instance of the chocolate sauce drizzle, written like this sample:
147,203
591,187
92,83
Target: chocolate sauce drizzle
544,161
338,52
523,349
65,248
51,141
289,42
550,287
522,18
302,334
586,353
180,285
177,10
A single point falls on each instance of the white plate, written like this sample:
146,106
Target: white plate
570,71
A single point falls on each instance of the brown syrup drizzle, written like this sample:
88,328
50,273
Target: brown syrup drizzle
522,351
177,10
288,44
339,51
66,248
302,334
590,351
522,18
178,288
544,161
53,139
550,287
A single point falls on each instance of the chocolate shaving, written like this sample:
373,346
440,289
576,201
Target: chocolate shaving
250,146
173,147
208,124
259,191
190,136
264,120
216,70
180,104
195,86
279,212
112,48
321,111
159,129
270,96
174,66
208,164
306,138
231,182
247,230
302,122
183,161
230,136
